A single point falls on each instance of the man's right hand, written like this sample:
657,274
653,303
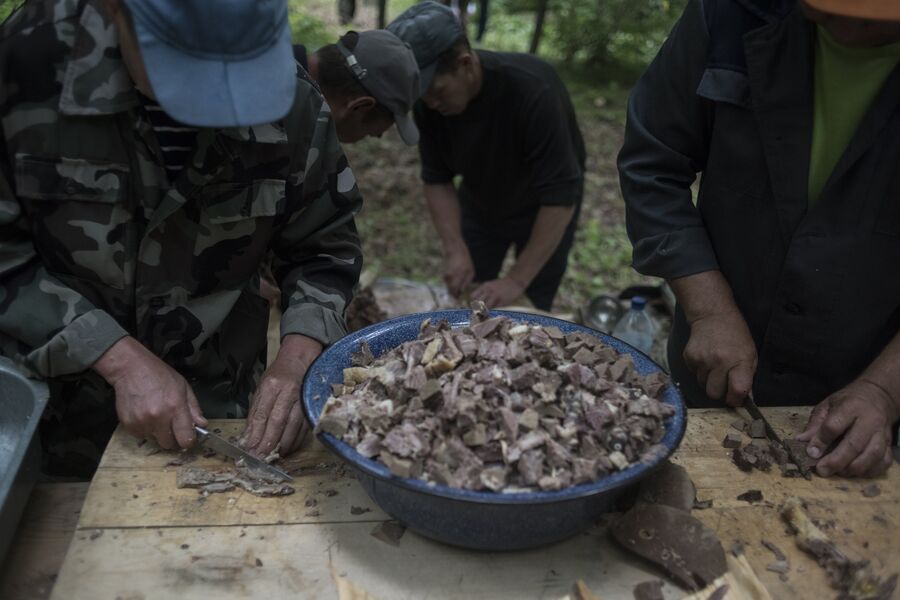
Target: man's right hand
459,270
152,399
720,351
722,356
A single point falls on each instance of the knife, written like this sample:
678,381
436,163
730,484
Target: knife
750,406
223,446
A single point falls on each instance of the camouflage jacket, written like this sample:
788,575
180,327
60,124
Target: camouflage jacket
96,244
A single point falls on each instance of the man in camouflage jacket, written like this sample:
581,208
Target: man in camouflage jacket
139,296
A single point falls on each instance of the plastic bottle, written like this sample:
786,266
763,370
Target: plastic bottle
636,327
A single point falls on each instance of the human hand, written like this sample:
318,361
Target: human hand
458,270
276,417
152,399
860,416
722,356
498,292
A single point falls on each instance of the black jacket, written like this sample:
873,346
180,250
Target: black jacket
730,95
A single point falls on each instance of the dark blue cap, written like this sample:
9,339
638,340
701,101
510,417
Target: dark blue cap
430,29
638,302
218,63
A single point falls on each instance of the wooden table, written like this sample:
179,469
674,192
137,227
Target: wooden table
140,537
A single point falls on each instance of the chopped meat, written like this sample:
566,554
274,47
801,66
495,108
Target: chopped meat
732,440
500,406
214,482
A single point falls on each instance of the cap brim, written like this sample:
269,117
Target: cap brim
878,10
425,76
407,129
218,93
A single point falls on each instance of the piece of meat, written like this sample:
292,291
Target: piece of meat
673,539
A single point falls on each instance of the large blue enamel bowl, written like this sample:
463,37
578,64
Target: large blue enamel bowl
480,520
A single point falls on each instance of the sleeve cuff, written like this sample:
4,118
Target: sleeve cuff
317,322
676,254
562,194
77,346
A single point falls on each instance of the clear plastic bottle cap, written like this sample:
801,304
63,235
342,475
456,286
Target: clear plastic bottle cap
638,303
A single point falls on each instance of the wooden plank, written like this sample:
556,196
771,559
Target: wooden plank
133,545
41,540
149,498
302,561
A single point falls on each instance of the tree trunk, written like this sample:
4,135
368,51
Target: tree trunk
382,13
538,26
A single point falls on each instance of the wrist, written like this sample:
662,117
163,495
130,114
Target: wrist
705,295
885,390
299,348
117,359
517,280
454,245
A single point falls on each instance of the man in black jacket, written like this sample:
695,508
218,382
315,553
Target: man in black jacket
786,270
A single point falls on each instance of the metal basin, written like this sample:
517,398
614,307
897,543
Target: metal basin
480,520
21,403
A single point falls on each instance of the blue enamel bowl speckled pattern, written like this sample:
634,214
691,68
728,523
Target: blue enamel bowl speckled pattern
481,520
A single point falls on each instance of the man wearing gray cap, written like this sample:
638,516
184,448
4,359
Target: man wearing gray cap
370,80
153,154
504,122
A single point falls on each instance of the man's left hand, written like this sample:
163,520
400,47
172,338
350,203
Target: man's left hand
276,417
863,413
498,292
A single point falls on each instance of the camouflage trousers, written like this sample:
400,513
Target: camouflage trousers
80,418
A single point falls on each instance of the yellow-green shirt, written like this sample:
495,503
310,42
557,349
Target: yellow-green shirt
846,82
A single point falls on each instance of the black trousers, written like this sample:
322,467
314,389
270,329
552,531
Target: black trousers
488,243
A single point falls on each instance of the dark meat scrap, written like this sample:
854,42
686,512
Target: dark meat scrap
363,357
649,590
758,429
751,496
732,440
499,405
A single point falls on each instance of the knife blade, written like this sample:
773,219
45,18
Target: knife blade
223,446
753,409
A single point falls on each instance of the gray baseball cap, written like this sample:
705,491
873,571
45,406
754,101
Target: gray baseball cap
218,63
430,29
386,67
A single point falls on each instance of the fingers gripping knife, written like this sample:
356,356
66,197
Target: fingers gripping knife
222,446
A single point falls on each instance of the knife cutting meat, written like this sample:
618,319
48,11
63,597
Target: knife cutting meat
226,448
750,406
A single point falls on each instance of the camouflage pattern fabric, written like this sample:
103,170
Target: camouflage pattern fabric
96,244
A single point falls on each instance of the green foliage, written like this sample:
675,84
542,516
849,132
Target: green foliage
307,29
7,6
612,33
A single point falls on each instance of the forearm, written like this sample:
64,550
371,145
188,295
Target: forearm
884,372
546,234
703,295
443,205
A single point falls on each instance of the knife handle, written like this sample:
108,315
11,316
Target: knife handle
202,434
